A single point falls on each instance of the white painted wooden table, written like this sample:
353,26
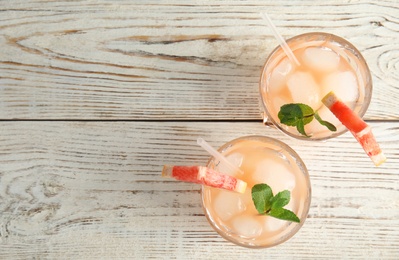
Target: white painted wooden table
95,96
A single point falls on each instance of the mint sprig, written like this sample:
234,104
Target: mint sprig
266,203
299,115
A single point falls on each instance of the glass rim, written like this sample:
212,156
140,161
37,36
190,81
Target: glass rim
348,46
306,204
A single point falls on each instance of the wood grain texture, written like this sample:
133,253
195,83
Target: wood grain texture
95,96
83,190
186,60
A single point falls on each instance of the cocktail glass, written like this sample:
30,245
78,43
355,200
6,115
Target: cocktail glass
327,63
262,160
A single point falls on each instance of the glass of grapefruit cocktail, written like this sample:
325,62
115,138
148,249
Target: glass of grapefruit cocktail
326,63
261,160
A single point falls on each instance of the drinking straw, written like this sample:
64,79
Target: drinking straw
231,167
280,39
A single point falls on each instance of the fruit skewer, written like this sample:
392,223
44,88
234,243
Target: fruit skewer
359,129
204,175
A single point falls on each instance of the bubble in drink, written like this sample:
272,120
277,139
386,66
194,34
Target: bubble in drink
247,226
304,89
343,84
228,204
321,59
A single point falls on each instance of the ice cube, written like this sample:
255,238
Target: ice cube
247,197
275,174
235,159
278,77
228,204
304,89
321,59
272,224
344,84
247,226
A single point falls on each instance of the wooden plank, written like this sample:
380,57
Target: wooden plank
84,190
171,59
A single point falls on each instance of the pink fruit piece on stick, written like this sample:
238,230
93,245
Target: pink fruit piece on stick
204,175
360,130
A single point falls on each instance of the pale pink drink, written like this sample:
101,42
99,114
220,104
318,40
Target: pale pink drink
327,63
262,160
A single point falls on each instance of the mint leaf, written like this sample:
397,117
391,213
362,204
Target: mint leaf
327,124
267,204
261,196
289,114
281,199
284,214
301,127
299,115
307,113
